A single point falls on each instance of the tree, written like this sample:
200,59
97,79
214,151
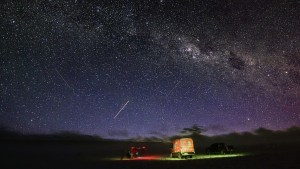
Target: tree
195,129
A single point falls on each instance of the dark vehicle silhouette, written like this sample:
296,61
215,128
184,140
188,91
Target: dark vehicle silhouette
135,152
219,148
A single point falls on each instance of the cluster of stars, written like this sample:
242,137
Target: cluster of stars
144,68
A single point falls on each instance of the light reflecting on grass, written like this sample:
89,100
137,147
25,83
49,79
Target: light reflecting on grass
195,157
198,157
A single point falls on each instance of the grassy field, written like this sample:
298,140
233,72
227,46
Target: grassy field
108,155
167,158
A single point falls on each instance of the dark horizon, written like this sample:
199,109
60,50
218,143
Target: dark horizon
290,134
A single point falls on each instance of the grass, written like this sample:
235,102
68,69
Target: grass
195,157
204,156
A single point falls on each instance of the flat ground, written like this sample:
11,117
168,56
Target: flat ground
110,155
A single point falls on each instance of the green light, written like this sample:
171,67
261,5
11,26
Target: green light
219,156
195,157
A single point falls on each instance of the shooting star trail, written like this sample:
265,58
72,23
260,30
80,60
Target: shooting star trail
65,81
121,109
173,88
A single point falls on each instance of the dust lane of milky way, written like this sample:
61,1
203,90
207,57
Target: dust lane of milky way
224,65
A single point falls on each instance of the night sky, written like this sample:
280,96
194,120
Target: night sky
122,69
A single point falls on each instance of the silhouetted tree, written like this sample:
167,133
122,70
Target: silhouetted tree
195,129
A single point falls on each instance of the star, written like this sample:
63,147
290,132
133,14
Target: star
74,65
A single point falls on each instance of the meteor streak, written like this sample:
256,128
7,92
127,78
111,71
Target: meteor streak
173,88
65,81
121,109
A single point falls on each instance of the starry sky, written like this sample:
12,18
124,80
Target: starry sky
129,68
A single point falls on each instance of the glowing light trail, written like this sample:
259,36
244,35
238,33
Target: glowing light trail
121,109
173,88
65,81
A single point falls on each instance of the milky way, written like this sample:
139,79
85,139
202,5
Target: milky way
229,66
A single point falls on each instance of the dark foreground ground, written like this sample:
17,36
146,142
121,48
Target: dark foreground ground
94,155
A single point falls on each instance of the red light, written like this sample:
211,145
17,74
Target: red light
147,158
